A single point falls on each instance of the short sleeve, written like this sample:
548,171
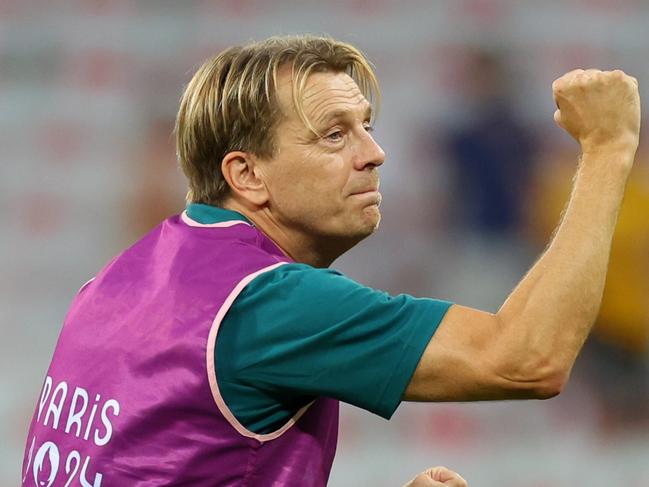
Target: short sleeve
297,332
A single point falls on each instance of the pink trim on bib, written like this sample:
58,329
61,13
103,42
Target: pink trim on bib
211,364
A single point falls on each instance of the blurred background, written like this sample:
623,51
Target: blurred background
474,183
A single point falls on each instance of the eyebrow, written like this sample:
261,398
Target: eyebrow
342,114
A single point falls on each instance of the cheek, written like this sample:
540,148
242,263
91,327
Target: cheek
298,193
313,185
321,184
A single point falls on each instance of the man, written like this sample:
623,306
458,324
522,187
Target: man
215,350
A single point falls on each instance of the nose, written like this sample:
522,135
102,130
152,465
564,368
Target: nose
369,153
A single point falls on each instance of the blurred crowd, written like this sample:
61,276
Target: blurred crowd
474,184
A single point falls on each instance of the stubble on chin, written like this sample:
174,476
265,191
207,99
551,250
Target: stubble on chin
371,220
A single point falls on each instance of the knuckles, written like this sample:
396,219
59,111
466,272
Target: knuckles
581,80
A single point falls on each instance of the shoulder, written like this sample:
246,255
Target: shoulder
301,297
311,288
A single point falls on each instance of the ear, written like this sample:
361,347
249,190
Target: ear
241,171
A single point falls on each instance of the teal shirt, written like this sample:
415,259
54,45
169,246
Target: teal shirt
298,332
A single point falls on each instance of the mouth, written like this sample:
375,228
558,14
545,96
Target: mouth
371,196
368,191
374,189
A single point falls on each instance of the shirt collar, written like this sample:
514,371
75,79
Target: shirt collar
208,214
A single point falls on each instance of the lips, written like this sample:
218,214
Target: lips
369,196
367,189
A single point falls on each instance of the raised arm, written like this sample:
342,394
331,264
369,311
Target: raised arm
527,349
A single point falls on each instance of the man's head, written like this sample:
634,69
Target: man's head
280,128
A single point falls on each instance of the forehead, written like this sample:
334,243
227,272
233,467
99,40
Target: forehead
324,93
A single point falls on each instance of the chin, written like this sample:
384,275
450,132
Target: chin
371,220
373,215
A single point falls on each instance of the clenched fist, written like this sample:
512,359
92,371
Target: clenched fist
600,109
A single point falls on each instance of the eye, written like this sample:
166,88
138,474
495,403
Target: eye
368,127
334,136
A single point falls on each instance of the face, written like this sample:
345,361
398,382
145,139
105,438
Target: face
325,186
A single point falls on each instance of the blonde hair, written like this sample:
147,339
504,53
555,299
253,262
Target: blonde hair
231,104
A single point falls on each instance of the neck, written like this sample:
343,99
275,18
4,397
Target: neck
306,249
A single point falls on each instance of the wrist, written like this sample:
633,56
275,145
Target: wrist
605,167
612,157
622,147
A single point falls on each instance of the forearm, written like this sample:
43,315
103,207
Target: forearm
548,316
528,347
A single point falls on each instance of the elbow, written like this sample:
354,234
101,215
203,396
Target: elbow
551,375
549,387
537,380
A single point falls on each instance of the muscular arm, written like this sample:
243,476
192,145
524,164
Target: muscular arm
527,349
